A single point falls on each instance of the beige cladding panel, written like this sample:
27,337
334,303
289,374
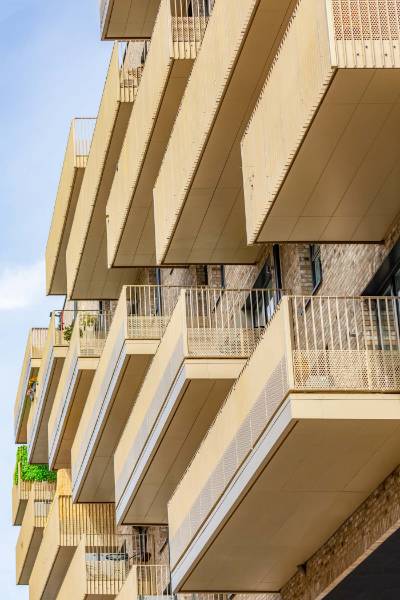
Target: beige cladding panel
67,194
171,349
74,584
285,109
268,354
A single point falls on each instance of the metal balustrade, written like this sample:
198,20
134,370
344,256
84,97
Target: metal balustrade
83,129
93,330
345,343
95,521
149,309
366,29
108,566
227,322
132,57
189,19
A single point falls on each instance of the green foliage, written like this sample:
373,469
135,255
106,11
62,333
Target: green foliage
31,472
68,332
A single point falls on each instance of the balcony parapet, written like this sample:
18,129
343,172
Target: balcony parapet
102,570
27,382
211,334
40,498
314,346
88,337
175,44
298,182
75,160
141,318
67,523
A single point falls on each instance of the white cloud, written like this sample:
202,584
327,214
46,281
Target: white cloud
21,286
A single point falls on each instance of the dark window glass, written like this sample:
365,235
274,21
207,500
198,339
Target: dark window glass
316,266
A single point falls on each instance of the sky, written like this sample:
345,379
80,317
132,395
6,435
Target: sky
52,68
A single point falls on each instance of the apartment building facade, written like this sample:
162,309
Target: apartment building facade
218,401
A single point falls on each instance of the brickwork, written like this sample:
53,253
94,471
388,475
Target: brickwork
368,527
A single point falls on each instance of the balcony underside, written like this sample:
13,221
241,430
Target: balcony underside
135,243
319,458
344,182
74,399
124,19
25,569
200,216
57,284
38,436
116,384
88,275
55,577
195,398
19,508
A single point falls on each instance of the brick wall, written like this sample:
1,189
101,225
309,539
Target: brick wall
368,527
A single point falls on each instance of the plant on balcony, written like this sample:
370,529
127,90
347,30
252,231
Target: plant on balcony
68,332
31,472
31,389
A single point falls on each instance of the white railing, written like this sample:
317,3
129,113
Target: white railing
345,343
189,19
366,29
96,521
227,322
83,129
107,566
93,331
132,58
149,309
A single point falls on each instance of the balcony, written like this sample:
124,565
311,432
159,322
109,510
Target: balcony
41,496
27,382
130,219
100,571
88,337
198,196
122,19
53,357
139,322
147,581
75,160
307,433
329,171
211,334
86,253
67,523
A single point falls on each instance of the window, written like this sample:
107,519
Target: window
316,266
200,7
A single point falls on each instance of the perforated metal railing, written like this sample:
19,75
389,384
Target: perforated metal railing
227,322
96,521
337,344
107,566
94,326
189,22
83,129
132,58
149,309
43,494
346,343
359,24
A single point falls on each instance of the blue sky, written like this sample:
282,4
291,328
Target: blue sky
53,68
